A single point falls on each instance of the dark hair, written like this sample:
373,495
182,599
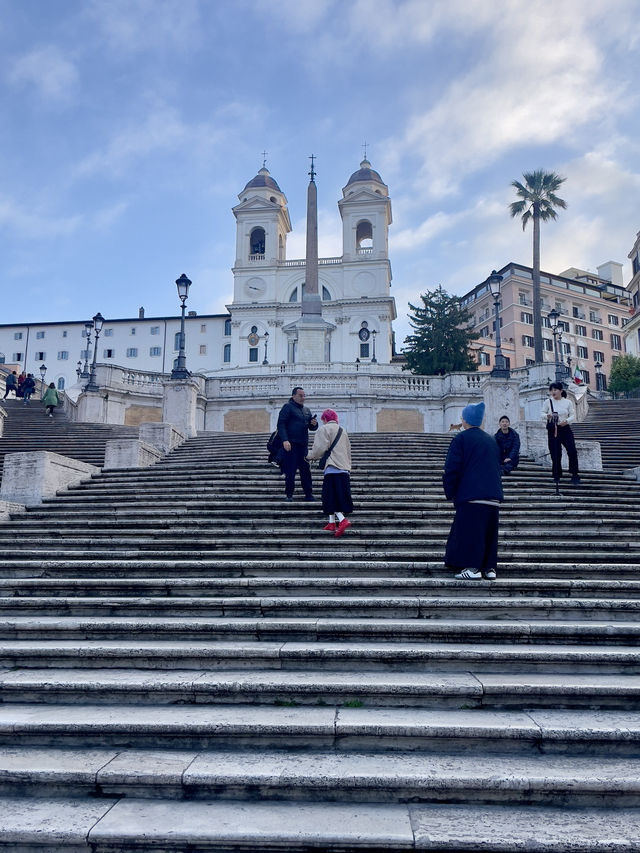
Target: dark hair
52,385
296,389
559,386
504,417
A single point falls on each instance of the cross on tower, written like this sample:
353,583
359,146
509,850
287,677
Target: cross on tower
264,159
365,149
312,171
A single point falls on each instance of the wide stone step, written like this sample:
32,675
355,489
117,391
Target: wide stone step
169,654
201,587
581,732
291,688
337,605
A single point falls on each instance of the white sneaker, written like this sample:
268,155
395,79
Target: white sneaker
489,575
469,575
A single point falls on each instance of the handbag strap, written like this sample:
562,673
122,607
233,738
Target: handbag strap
334,442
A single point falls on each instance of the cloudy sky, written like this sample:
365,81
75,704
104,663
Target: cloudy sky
130,126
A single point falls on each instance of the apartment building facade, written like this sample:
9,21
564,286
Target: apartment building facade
594,313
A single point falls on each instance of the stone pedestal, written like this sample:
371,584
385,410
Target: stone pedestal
501,397
129,453
92,407
179,405
164,437
533,436
27,478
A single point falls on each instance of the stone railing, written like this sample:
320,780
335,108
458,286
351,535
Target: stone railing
301,262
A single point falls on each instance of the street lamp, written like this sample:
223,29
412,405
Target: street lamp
98,322
266,341
374,360
180,369
598,367
500,370
554,317
88,328
79,370
43,371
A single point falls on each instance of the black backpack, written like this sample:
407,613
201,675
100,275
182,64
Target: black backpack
274,444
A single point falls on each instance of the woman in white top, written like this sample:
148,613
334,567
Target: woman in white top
336,484
558,412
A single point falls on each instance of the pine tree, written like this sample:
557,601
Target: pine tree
441,339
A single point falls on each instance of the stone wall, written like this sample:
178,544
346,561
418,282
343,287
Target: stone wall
400,420
247,420
135,415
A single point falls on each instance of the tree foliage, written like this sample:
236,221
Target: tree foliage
625,374
441,338
537,203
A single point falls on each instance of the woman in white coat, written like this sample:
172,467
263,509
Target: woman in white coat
558,412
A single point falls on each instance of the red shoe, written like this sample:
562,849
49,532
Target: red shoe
344,524
331,526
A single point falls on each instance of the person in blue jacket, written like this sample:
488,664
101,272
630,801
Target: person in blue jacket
472,480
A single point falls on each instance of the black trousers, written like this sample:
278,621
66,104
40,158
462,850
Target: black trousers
294,460
336,494
473,539
564,438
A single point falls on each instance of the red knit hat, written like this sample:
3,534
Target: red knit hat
329,415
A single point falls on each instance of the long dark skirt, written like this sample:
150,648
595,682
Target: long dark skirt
336,494
473,539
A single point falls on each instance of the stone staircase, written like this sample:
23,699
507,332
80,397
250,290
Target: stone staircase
27,429
189,663
616,425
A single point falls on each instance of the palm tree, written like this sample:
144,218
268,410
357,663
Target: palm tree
537,202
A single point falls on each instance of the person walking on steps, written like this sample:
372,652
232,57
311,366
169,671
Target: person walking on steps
472,480
331,441
28,387
294,422
558,412
51,399
509,444
11,384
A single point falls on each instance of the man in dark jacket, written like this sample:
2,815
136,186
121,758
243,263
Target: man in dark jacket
294,423
472,481
509,444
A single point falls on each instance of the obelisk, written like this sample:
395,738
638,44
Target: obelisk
310,335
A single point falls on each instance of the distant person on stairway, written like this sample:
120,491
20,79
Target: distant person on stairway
509,445
21,380
28,387
558,412
10,384
51,399
294,422
472,480
336,484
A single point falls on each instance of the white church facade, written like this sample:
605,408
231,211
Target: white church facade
267,295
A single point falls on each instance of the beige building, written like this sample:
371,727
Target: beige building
594,311
632,328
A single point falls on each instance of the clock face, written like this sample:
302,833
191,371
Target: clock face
253,339
255,287
363,334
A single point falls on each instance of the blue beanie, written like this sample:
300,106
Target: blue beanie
473,415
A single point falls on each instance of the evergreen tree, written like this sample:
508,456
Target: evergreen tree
442,335
625,374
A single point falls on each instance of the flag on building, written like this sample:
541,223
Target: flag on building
577,376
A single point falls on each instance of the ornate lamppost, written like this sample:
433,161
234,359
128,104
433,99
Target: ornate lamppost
598,367
180,369
266,341
554,317
43,373
500,370
88,328
98,322
374,360
79,370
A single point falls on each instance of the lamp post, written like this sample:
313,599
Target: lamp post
374,360
88,328
266,341
98,322
598,367
43,372
180,370
500,370
569,367
554,317
79,370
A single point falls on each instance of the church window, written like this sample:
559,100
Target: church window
227,353
254,330
61,383
253,354
257,242
326,296
364,350
364,237
227,326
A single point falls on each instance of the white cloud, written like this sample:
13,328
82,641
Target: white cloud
50,72
31,224
135,26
